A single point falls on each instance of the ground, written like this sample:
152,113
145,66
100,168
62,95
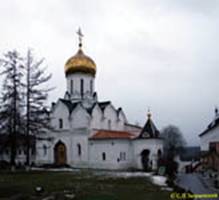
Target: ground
86,185
196,184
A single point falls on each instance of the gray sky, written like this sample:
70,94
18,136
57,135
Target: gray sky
161,54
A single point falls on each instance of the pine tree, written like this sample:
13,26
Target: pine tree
11,100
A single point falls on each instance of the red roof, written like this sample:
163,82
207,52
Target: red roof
106,134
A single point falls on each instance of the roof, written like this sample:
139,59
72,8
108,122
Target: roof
133,125
211,126
107,134
80,63
104,104
149,130
71,106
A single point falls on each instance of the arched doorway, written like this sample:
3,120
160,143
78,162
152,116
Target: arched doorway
145,159
60,153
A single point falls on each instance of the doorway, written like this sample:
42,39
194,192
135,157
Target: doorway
60,154
145,159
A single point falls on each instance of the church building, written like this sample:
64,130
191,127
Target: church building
88,133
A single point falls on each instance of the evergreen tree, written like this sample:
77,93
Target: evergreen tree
11,100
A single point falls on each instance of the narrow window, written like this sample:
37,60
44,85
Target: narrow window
159,152
60,123
44,150
79,149
109,124
91,86
103,156
72,86
82,87
19,152
122,156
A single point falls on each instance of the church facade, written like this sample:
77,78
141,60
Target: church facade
88,133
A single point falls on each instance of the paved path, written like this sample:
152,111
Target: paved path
194,183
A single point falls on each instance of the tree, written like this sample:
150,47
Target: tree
37,120
173,142
173,139
11,100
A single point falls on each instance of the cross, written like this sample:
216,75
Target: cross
149,113
80,35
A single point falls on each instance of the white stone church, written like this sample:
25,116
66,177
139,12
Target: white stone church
88,133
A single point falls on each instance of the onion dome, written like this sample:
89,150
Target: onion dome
80,62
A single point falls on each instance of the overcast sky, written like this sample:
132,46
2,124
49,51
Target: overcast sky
161,54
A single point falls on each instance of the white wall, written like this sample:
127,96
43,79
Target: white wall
110,114
151,144
60,111
71,141
100,120
112,149
79,118
97,117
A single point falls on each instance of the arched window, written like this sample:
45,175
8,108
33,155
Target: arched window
82,87
91,86
103,156
60,123
79,149
71,86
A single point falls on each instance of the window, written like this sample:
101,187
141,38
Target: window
159,153
44,150
72,86
19,151
91,86
109,124
79,149
60,123
122,156
212,147
82,87
103,156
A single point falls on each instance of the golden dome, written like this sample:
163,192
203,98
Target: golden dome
80,63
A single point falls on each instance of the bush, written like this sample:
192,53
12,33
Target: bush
4,164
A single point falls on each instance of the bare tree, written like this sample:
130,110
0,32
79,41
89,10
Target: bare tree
37,119
11,100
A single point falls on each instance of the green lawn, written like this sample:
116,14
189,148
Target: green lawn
84,184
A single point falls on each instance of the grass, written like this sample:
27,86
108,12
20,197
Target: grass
84,184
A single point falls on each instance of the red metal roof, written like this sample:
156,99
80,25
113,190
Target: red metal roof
107,134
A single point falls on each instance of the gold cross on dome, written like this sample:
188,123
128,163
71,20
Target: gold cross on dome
80,35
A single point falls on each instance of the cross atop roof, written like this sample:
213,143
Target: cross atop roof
80,35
